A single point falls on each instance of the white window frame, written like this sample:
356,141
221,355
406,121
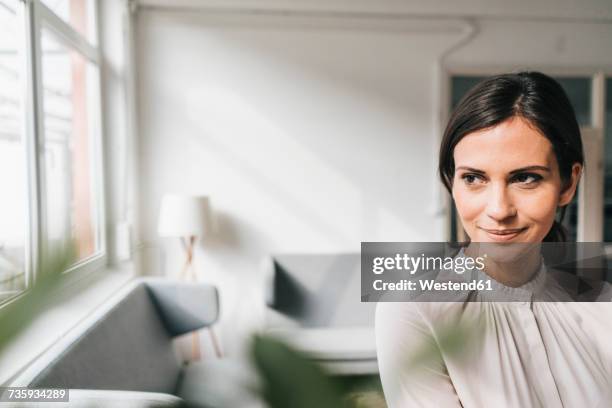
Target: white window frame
36,17
590,191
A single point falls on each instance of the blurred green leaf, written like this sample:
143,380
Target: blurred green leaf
367,399
290,379
451,340
18,313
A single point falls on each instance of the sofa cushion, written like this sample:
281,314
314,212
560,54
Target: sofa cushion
345,343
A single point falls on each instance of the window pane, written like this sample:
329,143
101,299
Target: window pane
579,93
78,13
608,165
13,205
460,86
69,108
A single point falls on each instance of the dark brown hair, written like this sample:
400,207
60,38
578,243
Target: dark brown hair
533,96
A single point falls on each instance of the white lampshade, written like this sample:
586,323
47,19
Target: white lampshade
184,216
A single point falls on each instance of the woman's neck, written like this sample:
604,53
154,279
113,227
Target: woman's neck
509,265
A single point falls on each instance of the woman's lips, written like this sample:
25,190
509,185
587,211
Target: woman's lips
503,235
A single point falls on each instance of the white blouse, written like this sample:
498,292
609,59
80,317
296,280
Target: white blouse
539,352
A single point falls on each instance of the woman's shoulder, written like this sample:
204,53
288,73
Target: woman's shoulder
399,327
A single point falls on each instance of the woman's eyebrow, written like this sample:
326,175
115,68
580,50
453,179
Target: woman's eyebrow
522,169
473,170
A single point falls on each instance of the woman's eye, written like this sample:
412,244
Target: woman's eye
471,179
527,178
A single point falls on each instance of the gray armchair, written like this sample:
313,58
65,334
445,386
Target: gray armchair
314,302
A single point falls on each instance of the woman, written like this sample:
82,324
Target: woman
511,157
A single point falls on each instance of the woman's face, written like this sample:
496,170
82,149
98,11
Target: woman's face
507,185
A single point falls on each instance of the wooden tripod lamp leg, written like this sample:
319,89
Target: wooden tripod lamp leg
188,273
213,339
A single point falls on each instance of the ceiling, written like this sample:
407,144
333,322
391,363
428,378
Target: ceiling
599,11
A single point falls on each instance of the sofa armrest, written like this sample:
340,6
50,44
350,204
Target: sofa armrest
79,398
184,307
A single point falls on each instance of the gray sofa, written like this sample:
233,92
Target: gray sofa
125,357
314,302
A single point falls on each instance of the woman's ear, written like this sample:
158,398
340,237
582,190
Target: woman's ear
570,189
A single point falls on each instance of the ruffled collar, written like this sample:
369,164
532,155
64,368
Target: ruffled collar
501,292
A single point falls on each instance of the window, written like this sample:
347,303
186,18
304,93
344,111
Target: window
579,92
50,155
69,95
79,14
13,179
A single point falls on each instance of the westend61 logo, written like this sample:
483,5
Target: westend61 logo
412,264
462,272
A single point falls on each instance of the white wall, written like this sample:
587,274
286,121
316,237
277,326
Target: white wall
310,134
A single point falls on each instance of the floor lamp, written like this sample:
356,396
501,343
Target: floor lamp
188,218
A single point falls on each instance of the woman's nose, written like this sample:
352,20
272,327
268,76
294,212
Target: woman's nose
500,205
